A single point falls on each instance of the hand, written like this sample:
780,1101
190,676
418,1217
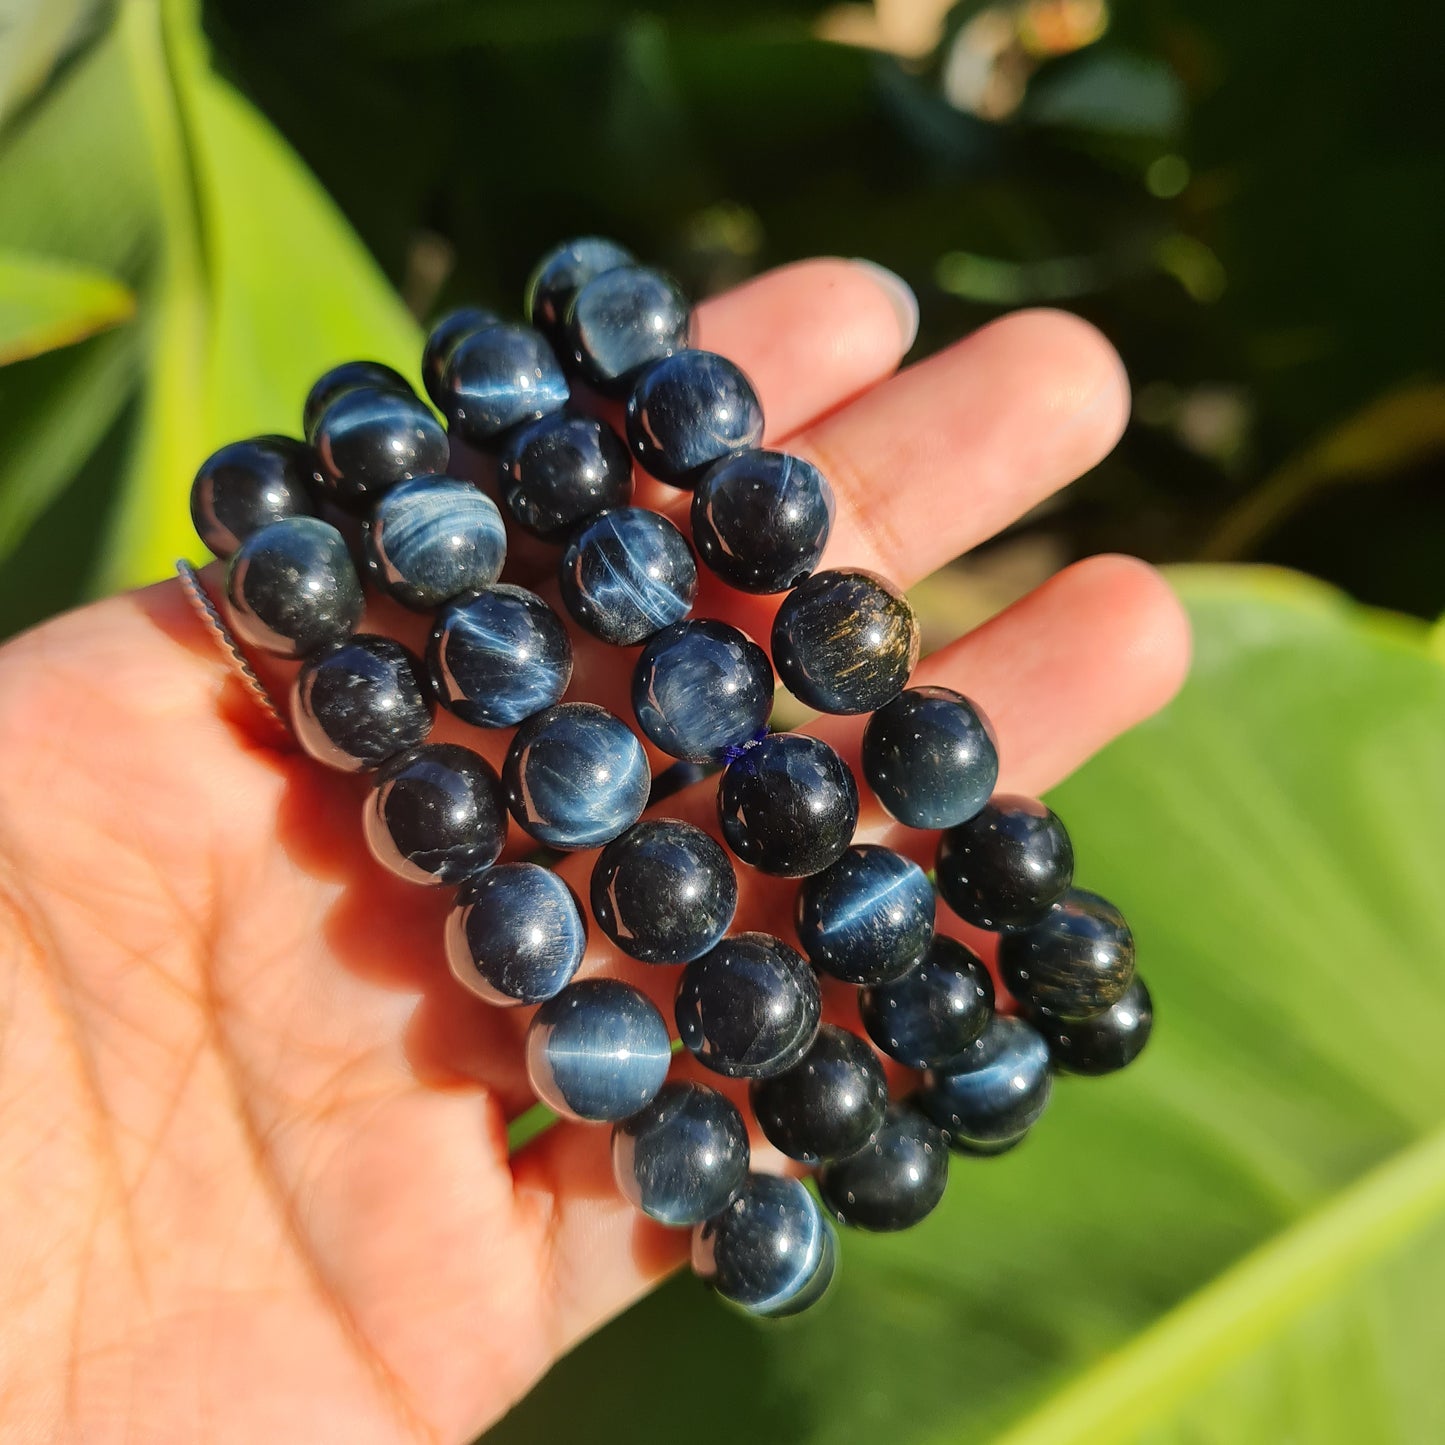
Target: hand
254,1188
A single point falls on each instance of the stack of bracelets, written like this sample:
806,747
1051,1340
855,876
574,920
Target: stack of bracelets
748,1005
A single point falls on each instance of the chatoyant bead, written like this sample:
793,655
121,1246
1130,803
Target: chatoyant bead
292,587
435,814
359,702
561,273
248,485
369,439
598,1051
895,1180
443,339
683,1157
934,1011
689,411
845,641
761,519
993,1092
771,1252
622,320
664,892
701,687
560,471
498,378
575,776
828,1104
1107,1042
498,657
349,376
1007,865
627,573
431,539
516,935
868,917
788,805
1075,963
749,1007
930,757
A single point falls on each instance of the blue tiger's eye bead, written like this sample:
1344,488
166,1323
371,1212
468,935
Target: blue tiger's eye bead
575,776
749,1007
498,378
1007,865
771,1252
788,806
992,1093
761,520
1107,1042
930,757
562,470
701,687
349,376
934,1011
671,781
561,273
627,573
359,702
682,1158
621,321
435,814
895,1181
443,339
664,892
498,657
1075,963
248,485
516,935
433,538
368,440
845,641
687,412
292,587
868,917
599,1051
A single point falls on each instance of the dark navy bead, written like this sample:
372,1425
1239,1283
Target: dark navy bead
368,440
930,757
292,587
896,1180
498,657
248,485
627,573
498,378
433,538
560,471
1075,963
935,1011
845,641
771,1252
517,934
435,814
575,776
828,1104
1007,865
599,1051
761,520
750,1007
671,781
443,339
561,273
700,688
788,806
664,892
349,376
994,1091
1107,1042
681,1159
359,702
620,322
868,917
689,411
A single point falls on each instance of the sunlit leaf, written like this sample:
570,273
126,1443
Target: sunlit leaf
46,304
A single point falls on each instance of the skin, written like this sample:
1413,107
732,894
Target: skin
256,1180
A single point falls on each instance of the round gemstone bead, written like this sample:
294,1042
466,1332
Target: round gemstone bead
761,520
1007,865
664,892
248,485
562,470
748,1008
368,440
689,411
622,320
627,573
788,805
1107,1042
498,657
598,1051
359,702
1075,963
868,917
435,814
671,781
444,338
845,641
292,587
349,376
498,378
516,935
895,1180
575,776
828,1104
561,273
994,1091
934,1011
700,688
683,1157
930,757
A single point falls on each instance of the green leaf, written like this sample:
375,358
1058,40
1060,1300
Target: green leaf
34,35
45,304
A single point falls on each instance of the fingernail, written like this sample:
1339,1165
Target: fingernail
900,293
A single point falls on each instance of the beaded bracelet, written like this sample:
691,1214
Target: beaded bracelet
748,1005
